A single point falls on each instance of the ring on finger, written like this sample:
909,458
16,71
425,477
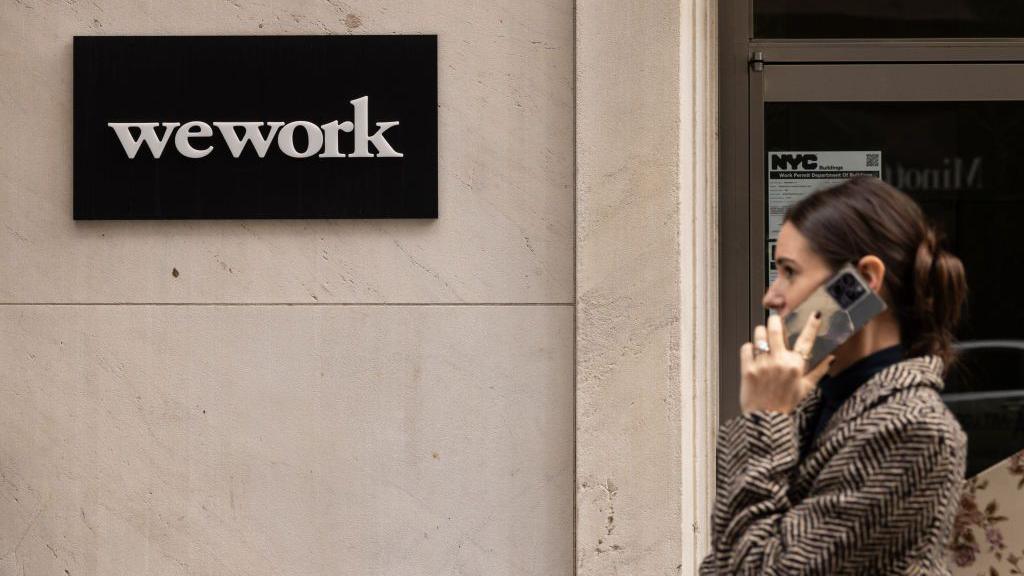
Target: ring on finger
761,347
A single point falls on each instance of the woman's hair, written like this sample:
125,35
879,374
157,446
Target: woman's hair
925,285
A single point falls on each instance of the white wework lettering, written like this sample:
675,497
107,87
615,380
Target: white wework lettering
147,134
362,124
252,134
331,138
286,139
192,129
323,139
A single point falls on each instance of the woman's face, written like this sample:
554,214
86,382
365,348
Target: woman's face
800,271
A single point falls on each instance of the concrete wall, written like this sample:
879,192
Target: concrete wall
294,397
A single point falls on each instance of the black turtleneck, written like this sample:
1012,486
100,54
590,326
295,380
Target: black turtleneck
836,389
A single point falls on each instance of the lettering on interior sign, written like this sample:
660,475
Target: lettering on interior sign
794,161
956,173
321,140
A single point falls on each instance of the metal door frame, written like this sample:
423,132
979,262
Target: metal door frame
743,91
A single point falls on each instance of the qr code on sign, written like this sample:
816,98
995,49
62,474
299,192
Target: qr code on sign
872,160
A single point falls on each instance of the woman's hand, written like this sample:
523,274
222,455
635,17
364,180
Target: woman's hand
776,380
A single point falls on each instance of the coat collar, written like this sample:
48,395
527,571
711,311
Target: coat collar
923,371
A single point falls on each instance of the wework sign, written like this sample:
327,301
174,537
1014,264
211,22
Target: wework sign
255,127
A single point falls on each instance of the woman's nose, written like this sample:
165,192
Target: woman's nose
772,299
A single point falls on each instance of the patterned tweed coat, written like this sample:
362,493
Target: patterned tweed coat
876,494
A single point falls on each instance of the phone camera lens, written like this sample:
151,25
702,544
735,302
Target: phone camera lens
846,290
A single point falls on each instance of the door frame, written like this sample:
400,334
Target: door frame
742,201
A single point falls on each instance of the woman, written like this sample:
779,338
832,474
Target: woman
861,472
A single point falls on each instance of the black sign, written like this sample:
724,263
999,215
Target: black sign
255,127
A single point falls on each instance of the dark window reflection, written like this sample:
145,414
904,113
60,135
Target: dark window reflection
888,18
962,161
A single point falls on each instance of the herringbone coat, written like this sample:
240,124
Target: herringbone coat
876,494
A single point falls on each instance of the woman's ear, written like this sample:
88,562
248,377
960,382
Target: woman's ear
873,270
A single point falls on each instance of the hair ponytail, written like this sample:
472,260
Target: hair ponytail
924,285
940,289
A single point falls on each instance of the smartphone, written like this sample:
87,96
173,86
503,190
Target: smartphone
846,303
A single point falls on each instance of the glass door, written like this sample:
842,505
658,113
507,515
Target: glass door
951,135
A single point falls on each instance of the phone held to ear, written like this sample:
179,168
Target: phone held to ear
846,303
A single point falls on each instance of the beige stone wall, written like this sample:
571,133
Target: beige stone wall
298,397
628,460
646,285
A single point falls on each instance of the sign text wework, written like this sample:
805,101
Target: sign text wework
255,127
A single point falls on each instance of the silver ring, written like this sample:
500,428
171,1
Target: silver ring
760,347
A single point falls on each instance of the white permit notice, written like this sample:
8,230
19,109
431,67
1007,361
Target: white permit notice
795,174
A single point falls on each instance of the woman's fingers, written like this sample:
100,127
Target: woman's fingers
811,378
776,341
760,339
746,358
760,335
805,342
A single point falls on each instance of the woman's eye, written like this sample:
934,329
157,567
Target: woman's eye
787,271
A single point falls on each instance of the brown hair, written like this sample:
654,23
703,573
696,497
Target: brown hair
925,285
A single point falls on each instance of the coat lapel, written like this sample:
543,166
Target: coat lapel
917,371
